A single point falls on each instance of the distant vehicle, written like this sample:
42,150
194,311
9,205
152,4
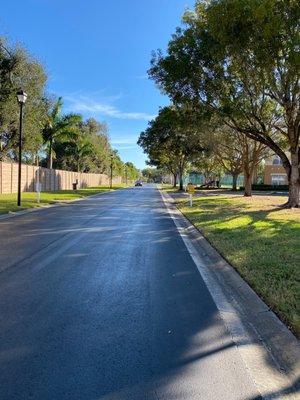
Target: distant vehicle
138,183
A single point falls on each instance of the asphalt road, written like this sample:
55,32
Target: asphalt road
100,299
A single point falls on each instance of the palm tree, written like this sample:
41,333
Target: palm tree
84,148
59,127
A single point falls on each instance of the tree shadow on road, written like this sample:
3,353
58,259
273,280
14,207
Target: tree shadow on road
121,315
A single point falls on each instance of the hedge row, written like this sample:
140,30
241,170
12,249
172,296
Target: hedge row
276,188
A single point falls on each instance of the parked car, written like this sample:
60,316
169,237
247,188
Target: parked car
138,183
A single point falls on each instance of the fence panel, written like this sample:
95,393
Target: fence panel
50,180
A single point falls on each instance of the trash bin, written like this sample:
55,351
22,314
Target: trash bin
75,185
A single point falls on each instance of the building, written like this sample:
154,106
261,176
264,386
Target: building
198,179
274,172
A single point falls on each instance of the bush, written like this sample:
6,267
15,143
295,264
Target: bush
262,187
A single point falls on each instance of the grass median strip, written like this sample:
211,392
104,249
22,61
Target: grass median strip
8,202
261,240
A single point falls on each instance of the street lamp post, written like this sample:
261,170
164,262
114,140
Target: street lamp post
22,96
111,170
126,175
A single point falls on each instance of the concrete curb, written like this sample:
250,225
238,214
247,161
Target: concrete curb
61,203
273,352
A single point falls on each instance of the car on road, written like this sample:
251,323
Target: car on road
138,183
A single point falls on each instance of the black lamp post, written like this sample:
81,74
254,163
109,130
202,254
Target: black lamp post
22,96
111,170
126,174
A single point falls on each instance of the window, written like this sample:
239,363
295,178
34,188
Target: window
277,160
278,179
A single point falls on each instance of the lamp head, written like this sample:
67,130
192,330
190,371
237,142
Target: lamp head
22,96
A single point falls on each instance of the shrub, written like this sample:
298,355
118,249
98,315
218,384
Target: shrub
263,187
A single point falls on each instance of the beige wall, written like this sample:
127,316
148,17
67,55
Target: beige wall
51,179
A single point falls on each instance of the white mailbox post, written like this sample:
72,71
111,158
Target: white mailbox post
38,189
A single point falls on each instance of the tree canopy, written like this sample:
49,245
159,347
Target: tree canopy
172,140
240,60
18,68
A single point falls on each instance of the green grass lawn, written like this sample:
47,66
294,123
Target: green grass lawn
261,240
8,202
166,187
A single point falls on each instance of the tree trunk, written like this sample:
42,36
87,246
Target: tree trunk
50,155
175,180
180,180
254,177
294,181
248,169
248,182
234,182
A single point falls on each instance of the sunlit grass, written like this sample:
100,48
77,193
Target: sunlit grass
8,202
261,240
166,187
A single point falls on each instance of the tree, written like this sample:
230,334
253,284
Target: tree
84,149
130,171
74,154
19,69
253,153
228,153
209,166
237,153
239,59
149,174
97,133
59,127
154,174
87,150
172,141
118,165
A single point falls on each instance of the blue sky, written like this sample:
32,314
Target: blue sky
97,54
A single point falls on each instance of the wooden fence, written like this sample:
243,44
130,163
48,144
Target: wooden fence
50,179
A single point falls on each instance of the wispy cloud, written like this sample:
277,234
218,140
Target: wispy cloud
124,141
125,147
144,76
86,104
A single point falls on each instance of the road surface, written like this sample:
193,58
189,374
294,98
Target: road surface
100,299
